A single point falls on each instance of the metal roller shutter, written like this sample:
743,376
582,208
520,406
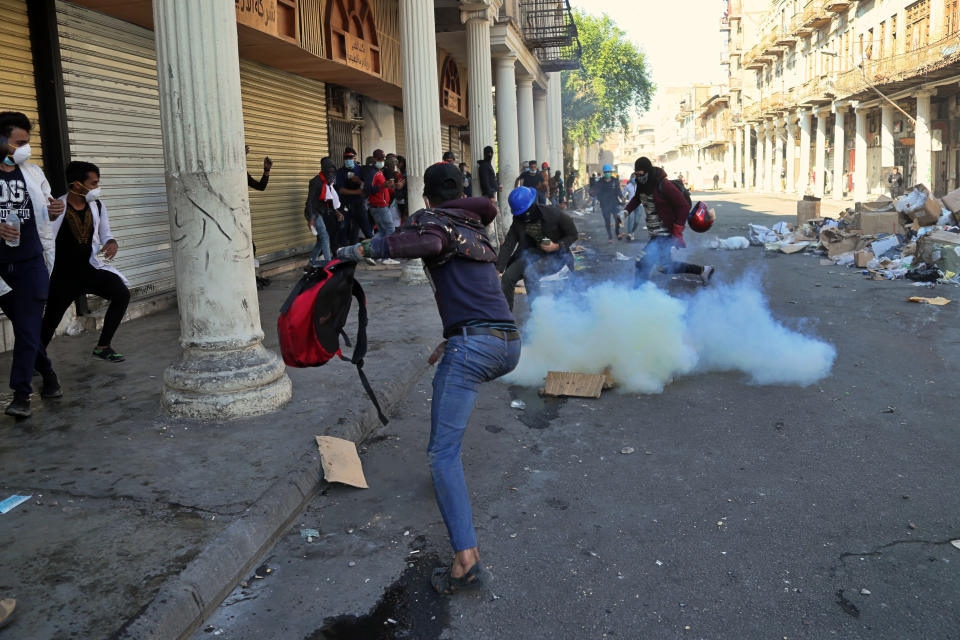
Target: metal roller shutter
113,120
444,140
284,117
16,72
400,132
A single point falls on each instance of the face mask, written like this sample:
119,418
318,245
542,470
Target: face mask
532,170
349,164
607,175
92,195
379,165
642,179
21,154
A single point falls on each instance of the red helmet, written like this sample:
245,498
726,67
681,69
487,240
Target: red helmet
701,218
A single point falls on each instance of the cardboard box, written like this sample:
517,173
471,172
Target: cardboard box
930,213
862,258
837,242
880,222
940,248
951,201
807,210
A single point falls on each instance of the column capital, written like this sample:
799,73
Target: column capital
924,93
479,10
506,60
524,80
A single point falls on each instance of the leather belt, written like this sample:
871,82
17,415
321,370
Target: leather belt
488,331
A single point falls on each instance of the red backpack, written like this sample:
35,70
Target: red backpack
312,319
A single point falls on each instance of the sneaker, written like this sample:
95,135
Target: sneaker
108,354
389,261
51,386
370,261
20,407
706,274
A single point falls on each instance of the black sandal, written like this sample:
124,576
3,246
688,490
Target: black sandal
473,580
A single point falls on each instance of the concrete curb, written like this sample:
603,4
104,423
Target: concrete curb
184,601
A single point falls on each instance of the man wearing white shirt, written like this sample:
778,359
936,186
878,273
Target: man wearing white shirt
26,255
80,235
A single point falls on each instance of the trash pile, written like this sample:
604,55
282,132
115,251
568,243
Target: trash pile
917,237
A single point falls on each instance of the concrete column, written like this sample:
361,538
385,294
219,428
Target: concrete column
745,159
860,157
820,155
508,152
751,166
839,150
224,371
734,177
541,127
768,156
526,121
790,149
886,136
778,134
760,179
805,122
421,105
924,141
555,110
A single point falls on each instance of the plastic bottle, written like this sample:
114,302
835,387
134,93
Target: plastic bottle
14,221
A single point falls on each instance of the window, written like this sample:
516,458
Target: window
918,25
893,35
951,17
882,42
450,96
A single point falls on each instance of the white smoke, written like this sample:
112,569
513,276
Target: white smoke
647,337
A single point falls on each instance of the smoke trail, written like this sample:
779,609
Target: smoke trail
647,338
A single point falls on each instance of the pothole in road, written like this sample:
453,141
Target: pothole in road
539,411
409,608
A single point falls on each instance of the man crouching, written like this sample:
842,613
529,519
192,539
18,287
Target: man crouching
482,342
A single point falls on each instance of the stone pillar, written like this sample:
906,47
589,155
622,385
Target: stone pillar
421,105
860,157
508,152
746,155
820,155
767,156
224,371
791,153
761,176
886,137
526,123
555,109
839,150
478,18
541,128
734,177
778,155
804,169
924,141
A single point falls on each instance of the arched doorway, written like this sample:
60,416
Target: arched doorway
451,95
352,35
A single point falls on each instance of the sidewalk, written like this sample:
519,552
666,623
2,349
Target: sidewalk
830,208
125,498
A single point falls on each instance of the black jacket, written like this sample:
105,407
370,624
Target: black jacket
557,225
314,206
489,185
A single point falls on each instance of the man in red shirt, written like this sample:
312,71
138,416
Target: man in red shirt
379,193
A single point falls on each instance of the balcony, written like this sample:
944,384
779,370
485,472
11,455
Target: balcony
838,6
548,30
937,59
815,15
786,37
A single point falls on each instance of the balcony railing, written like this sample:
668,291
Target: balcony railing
918,62
786,37
815,14
549,30
838,6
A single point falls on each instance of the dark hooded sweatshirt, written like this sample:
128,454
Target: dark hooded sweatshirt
467,292
671,206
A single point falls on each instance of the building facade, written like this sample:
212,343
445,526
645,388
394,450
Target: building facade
827,96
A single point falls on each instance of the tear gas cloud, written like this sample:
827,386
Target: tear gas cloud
647,337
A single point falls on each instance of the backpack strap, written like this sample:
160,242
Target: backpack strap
360,350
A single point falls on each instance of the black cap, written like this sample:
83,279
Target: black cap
441,177
643,164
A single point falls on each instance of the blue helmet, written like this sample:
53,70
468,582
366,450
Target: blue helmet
521,199
607,168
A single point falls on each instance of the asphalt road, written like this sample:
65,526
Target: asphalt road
743,511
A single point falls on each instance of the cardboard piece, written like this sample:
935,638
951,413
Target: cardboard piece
340,462
862,258
940,249
874,223
794,247
837,241
938,301
930,213
807,210
951,201
882,203
579,385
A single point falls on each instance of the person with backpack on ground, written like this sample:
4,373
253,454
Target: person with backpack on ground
482,342
81,234
666,208
537,244
322,212
611,200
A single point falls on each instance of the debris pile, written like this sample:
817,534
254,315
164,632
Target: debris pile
916,237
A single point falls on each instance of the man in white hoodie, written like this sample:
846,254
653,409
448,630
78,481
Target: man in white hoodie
26,257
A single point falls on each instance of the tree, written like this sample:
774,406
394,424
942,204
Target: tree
612,82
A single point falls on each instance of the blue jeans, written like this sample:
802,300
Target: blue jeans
657,253
467,362
383,218
24,306
323,241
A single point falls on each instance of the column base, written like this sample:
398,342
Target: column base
413,272
225,384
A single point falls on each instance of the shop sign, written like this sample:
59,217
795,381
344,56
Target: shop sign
359,55
258,14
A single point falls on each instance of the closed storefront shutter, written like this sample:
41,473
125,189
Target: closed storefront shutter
284,117
16,72
400,132
444,140
341,137
113,120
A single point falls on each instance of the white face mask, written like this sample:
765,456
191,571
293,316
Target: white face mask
21,154
92,195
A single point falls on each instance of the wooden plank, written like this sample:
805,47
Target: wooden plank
579,385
